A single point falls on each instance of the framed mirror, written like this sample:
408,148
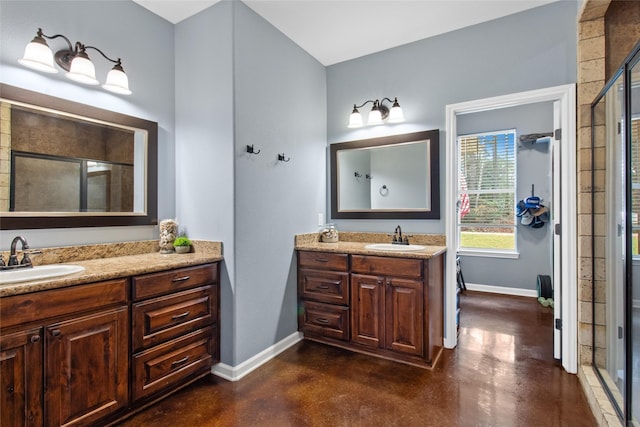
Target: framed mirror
391,177
66,164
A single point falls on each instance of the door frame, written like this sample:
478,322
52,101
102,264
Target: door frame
566,95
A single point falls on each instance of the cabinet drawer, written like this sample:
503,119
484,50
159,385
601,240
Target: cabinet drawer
324,260
155,284
160,319
37,306
170,363
325,286
326,320
387,266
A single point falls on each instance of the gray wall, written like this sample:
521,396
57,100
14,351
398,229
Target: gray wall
535,245
123,29
250,85
511,54
204,142
280,107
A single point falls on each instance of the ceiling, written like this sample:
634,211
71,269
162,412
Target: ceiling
333,31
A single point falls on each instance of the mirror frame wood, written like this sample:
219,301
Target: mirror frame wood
434,169
65,220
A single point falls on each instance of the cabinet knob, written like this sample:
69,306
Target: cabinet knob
10,389
35,338
55,332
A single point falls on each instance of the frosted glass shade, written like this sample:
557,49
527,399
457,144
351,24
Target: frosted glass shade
355,120
375,117
396,115
117,82
82,70
38,56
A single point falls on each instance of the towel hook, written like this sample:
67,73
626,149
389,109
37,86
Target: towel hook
252,150
282,158
357,174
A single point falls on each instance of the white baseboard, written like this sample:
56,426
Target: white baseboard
234,373
502,290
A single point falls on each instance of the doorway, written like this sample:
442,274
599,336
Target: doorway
563,98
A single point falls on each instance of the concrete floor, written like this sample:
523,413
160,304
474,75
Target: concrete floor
501,374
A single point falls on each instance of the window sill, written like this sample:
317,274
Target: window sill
489,253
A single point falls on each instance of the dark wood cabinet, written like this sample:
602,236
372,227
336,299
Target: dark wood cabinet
86,373
395,304
70,366
91,354
175,331
323,290
21,389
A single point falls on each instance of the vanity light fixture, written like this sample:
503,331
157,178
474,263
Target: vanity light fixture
379,112
75,61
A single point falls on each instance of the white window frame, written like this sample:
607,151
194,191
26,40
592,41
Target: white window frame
488,252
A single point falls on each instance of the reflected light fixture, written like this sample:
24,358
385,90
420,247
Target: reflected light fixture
75,61
378,114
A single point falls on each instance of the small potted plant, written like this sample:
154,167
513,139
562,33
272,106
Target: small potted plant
182,245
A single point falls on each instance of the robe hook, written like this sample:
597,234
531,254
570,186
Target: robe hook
282,158
251,149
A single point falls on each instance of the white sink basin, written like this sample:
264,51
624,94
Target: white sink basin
394,248
38,273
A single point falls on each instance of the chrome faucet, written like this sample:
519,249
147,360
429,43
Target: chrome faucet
13,257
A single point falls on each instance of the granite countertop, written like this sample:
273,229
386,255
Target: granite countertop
127,263
355,243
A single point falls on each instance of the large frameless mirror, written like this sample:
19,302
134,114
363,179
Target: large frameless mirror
391,177
66,164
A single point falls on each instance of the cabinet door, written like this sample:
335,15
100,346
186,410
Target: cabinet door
367,308
21,378
404,316
86,368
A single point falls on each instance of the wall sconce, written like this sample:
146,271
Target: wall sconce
379,113
74,60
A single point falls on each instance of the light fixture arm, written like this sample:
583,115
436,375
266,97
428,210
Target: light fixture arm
115,61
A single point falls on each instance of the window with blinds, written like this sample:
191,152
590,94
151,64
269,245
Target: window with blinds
487,191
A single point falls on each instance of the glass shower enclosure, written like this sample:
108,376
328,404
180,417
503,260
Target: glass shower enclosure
615,198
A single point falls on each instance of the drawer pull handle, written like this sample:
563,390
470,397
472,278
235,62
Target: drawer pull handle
322,260
181,279
179,316
323,286
322,320
180,362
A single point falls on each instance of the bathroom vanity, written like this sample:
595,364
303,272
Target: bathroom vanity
95,346
383,303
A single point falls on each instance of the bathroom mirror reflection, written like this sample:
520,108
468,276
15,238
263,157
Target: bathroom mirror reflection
390,177
66,164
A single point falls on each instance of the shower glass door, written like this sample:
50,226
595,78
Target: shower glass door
615,198
633,322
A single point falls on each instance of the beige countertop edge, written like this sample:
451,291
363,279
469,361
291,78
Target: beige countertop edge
111,268
359,248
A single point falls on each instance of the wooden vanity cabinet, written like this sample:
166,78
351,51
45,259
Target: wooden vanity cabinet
21,389
175,328
71,343
323,289
395,304
387,309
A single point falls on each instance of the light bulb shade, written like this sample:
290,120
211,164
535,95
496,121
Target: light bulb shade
355,120
38,56
396,115
375,117
117,81
82,70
